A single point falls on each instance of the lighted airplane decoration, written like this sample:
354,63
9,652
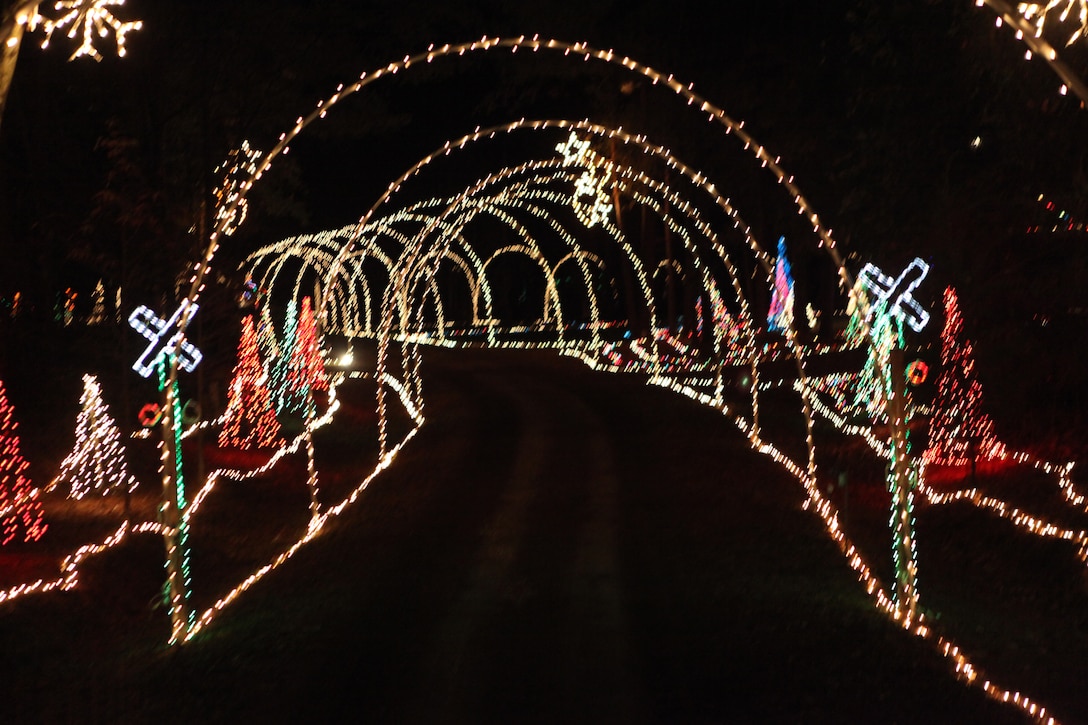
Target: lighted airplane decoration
897,294
154,328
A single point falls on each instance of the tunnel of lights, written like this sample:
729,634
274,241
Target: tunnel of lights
695,320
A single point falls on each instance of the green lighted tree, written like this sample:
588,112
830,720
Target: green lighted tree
305,367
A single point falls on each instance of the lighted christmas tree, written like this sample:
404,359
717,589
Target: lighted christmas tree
97,462
267,345
863,394
306,368
959,432
281,364
873,388
250,421
20,509
855,334
308,347
780,314
98,312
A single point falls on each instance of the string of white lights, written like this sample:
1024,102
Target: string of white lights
411,289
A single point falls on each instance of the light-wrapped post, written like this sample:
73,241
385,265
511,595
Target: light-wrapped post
902,489
166,353
172,505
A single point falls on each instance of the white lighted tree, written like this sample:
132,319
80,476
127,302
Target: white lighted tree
98,311
97,461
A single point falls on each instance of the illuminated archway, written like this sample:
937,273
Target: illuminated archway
409,287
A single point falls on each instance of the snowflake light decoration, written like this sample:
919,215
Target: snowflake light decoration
1036,14
90,18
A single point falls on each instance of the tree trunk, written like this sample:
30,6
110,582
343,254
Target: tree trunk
15,15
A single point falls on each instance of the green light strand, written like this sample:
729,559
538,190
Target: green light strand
179,485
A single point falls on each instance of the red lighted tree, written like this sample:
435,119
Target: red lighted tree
20,509
306,368
959,431
250,421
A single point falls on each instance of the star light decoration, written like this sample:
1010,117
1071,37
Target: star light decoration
590,198
238,173
88,19
1037,14
1029,21
98,312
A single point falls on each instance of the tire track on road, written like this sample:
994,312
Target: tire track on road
539,630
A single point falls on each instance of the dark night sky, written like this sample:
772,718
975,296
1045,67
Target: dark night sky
872,107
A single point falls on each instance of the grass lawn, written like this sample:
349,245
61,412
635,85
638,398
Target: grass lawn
555,545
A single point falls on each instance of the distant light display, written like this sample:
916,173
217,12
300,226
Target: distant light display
1065,222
